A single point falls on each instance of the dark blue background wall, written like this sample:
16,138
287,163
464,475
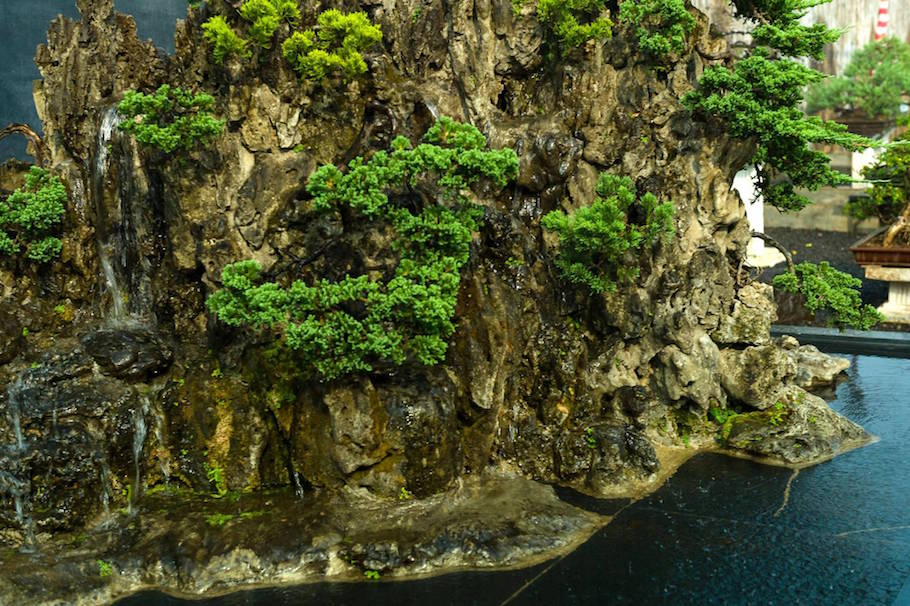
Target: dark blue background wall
23,26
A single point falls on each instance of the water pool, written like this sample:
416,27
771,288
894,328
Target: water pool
721,531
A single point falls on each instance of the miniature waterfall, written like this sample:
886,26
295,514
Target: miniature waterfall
140,431
11,482
106,246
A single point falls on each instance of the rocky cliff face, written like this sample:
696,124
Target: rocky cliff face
123,382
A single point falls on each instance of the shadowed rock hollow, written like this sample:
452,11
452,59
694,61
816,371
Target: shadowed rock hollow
119,380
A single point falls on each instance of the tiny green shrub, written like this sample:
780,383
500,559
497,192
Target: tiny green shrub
266,15
574,22
661,26
170,119
334,47
596,242
105,569
225,42
337,328
827,288
30,215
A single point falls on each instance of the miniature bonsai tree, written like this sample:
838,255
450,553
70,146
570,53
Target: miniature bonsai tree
170,119
759,98
30,215
889,197
334,47
876,82
339,327
598,244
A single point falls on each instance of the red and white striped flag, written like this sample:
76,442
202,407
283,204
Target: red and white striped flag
881,24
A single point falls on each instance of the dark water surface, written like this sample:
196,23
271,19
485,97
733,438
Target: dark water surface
718,532
23,26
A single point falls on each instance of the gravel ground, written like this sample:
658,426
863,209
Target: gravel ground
815,246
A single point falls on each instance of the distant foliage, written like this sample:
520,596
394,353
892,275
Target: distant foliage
826,288
661,26
349,326
876,81
890,192
759,99
266,15
598,246
170,119
334,47
30,216
225,43
574,22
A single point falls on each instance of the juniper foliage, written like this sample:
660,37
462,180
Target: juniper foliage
661,26
759,99
170,119
266,15
598,244
825,288
224,41
574,22
31,214
334,47
349,326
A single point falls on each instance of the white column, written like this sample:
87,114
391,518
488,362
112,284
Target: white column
756,254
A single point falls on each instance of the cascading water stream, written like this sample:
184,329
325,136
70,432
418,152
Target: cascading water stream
117,312
163,461
140,431
10,483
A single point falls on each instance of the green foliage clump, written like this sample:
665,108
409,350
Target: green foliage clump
105,569
217,520
170,119
826,288
266,15
759,99
334,47
660,25
890,192
29,216
225,42
574,22
348,326
596,242
876,81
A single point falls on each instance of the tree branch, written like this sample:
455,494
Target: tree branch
26,131
769,240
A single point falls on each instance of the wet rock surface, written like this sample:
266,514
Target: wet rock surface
798,429
131,354
193,544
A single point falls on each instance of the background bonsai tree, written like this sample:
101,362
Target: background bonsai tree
889,197
876,82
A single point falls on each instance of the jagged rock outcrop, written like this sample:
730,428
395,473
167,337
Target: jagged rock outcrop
540,376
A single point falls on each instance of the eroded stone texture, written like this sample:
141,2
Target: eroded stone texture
540,375
799,428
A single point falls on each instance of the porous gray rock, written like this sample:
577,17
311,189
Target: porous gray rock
755,376
798,429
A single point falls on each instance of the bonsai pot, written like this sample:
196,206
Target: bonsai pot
867,252
891,264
